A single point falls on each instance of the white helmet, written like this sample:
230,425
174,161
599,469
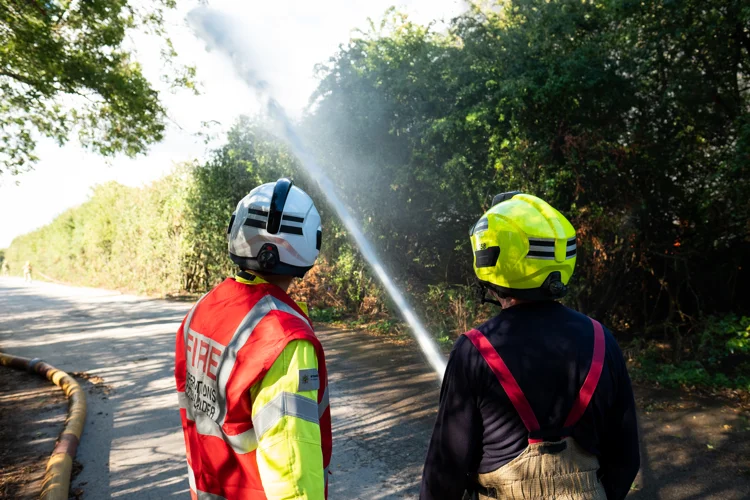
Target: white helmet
275,230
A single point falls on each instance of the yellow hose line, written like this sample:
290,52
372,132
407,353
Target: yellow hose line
56,482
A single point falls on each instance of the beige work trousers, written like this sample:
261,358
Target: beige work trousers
561,471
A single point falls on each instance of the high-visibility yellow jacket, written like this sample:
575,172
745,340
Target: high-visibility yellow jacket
253,391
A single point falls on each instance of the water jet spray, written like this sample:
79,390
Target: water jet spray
217,31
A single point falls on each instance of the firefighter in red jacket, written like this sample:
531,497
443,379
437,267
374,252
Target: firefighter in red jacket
251,374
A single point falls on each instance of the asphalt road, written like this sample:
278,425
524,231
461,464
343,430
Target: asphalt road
383,398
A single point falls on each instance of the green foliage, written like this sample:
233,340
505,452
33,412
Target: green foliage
720,357
723,337
327,314
453,310
630,117
121,238
384,327
689,374
65,72
166,238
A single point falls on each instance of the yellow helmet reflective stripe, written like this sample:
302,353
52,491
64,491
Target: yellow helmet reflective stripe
524,247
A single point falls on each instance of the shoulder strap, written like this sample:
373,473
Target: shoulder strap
506,379
517,398
592,379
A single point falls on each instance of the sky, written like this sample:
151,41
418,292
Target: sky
288,37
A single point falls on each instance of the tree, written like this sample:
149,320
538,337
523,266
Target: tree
377,102
66,70
632,117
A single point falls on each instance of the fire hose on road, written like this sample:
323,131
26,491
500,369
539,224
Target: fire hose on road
60,464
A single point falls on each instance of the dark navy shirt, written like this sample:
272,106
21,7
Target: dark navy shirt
548,349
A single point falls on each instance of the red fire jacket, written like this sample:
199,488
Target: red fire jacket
225,345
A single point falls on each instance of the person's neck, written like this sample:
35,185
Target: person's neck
281,281
509,302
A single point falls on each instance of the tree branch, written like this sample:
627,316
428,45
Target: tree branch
38,7
16,76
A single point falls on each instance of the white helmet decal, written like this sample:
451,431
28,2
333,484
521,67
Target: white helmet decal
275,229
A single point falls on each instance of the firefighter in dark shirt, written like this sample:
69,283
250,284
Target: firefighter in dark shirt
536,402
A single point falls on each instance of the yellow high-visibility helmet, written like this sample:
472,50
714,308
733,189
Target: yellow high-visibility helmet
524,248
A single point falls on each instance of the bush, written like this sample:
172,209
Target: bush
326,315
453,310
719,358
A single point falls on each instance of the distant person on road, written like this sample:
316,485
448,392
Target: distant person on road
536,402
27,272
251,374
6,268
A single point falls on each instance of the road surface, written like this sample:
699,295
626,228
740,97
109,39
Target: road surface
383,399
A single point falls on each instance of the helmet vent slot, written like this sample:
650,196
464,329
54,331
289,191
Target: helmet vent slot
487,257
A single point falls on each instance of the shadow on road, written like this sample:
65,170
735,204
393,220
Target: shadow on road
692,448
132,444
385,401
383,398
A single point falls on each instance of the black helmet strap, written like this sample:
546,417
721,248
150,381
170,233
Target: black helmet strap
278,200
499,198
552,289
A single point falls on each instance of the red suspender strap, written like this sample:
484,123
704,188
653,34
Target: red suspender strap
505,377
592,379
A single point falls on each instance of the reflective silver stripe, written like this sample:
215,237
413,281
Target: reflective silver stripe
245,442
190,318
286,403
202,495
324,402
191,478
240,337
571,246
204,425
537,248
240,443
182,400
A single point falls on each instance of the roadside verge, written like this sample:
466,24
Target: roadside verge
56,482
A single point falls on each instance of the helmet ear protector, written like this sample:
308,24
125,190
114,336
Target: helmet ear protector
268,257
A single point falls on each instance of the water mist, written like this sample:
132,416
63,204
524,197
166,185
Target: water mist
219,32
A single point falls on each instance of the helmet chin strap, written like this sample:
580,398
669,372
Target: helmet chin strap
552,289
485,296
